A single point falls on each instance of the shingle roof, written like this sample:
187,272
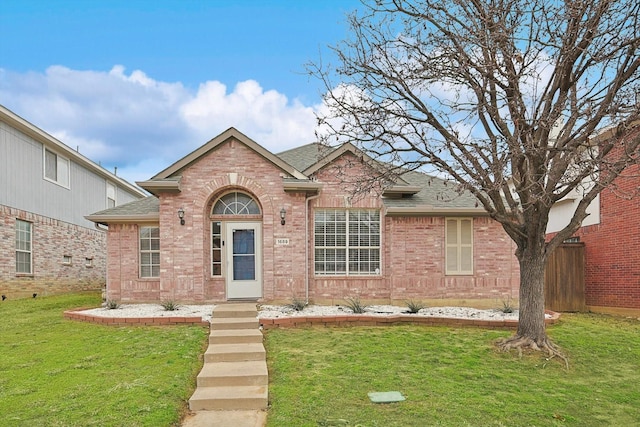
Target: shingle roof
304,157
435,192
148,205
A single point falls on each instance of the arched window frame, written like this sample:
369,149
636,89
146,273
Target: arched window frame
235,203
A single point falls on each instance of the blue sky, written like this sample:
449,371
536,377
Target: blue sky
138,84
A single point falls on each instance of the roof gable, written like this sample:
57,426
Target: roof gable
225,136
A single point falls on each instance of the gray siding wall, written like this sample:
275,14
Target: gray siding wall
23,186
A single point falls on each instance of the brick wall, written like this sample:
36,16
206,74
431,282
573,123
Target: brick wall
51,241
612,247
412,255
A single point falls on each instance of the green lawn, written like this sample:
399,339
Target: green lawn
58,372
455,377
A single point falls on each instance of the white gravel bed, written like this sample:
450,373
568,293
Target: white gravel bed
277,311
153,310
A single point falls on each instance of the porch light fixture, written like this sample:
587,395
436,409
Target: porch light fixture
181,216
283,216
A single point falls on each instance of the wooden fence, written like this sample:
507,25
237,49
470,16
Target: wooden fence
564,278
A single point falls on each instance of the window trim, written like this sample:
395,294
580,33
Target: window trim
347,246
111,185
220,249
29,251
459,246
235,207
59,160
148,251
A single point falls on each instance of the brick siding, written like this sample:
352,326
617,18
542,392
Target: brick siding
612,247
412,254
51,241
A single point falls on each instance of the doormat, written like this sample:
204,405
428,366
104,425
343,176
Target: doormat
386,397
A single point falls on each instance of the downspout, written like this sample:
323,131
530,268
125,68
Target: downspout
306,246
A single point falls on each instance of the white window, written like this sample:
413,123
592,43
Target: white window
56,168
88,262
66,259
216,248
236,204
149,252
347,242
23,247
111,195
459,243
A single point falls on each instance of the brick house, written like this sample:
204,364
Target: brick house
611,238
232,220
46,189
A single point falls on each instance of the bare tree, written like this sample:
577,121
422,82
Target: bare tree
506,98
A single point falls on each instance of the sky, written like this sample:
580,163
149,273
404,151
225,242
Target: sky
138,84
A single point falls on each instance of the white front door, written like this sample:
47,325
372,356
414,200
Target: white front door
244,260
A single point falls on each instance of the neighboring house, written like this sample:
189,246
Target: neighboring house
46,244
611,237
231,221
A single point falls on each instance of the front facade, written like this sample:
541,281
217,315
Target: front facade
611,237
233,221
46,244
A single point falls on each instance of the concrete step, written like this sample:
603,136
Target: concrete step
229,398
234,352
235,310
222,374
235,336
234,323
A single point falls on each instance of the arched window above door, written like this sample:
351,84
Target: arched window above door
236,204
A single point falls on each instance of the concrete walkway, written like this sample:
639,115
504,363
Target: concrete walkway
232,388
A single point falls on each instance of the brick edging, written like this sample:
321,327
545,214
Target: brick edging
369,320
75,314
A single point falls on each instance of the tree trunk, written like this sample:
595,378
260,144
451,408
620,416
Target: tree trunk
531,321
532,334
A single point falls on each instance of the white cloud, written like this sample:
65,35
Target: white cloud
267,117
142,125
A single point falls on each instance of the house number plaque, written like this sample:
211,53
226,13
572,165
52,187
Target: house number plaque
282,241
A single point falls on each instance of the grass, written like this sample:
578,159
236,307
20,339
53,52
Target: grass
58,372
455,377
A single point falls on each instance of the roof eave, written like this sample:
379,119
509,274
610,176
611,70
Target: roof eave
400,190
431,211
124,219
160,186
308,187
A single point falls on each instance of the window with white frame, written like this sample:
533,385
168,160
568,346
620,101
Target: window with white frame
216,248
347,242
111,195
56,168
149,252
23,247
459,243
236,204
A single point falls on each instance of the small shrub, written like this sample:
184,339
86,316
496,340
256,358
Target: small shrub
415,306
355,304
507,306
112,304
169,305
297,304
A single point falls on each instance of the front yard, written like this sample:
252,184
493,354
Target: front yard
455,377
58,372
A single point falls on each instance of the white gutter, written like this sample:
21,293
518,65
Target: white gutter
306,251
